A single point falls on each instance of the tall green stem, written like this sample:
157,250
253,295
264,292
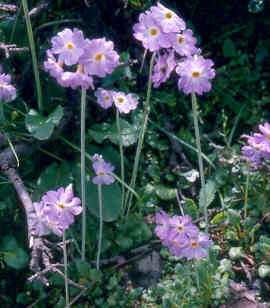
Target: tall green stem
83,108
198,145
100,224
2,115
121,157
33,53
142,132
246,192
65,267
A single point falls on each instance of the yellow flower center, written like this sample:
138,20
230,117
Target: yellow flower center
69,46
120,100
106,98
101,173
268,137
180,40
154,31
194,244
257,149
99,57
196,74
61,206
180,228
168,15
60,64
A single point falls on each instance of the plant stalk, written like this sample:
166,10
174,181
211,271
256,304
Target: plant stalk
65,267
246,192
33,53
121,158
198,145
142,133
100,224
83,109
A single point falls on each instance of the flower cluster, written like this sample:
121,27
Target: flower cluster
181,236
123,102
95,57
103,170
56,210
7,91
258,148
161,30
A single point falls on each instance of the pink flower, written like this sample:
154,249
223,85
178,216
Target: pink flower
7,91
164,65
104,98
99,57
60,206
150,33
195,247
54,67
184,43
195,73
167,19
263,140
124,102
69,45
102,170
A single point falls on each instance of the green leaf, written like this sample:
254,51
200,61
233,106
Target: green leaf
83,268
16,258
165,193
129,133
228,48
219,218
264,271
236,253
190,208
210,191
111,197
234,217
42,127
52,178
124,242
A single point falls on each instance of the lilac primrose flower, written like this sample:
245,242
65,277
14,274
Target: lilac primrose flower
75,79
103,170
253,152
39,219
263,140
162,230
150,33
7,91
104,98
124,102
181,229
55,68
167,19
184,43
196,246
164,65
195,73
69,45
99,57
61,206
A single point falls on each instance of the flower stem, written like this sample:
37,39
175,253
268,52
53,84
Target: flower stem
121,157
65,267
33,53
83,107
100,223
246,192
142,133
198,145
